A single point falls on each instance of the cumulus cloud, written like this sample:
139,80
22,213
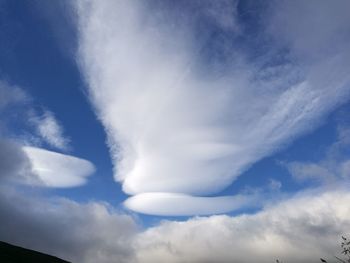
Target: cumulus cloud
58,170
89,233
177,125
50,130
300,229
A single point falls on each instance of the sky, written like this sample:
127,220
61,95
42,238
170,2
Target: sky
175,131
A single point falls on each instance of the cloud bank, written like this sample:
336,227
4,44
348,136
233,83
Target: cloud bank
300,229
185,113
330,170
91,232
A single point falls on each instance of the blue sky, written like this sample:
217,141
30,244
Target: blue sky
138,115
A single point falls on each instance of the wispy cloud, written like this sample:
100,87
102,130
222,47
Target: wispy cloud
36,166
11,95
50,130
334,168
176,126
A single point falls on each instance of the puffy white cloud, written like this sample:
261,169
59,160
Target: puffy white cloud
175,126
300,229
57,170
89,233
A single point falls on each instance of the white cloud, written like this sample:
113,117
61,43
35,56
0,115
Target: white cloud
169,204
302,171
89,233
300,229
33,165
14,163
50,130
173,125
58,170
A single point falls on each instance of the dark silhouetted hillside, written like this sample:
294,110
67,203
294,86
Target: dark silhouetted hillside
13,254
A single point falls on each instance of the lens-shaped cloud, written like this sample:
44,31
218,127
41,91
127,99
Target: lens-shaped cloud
171,204
54,169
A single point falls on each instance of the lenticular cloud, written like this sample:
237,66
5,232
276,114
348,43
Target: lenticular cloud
52,169
184,114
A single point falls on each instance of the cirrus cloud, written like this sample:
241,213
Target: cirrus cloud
174,123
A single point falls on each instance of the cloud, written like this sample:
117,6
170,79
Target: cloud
50,130
58,170
334,168
40,167
14,163
274,184
21,163
302,171
168,204
89,233
178,123
300,229
313,29
10,95
38,126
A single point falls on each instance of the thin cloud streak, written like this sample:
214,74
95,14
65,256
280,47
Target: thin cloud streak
173,125
50,130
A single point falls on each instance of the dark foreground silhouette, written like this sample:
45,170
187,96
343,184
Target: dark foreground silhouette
13,254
